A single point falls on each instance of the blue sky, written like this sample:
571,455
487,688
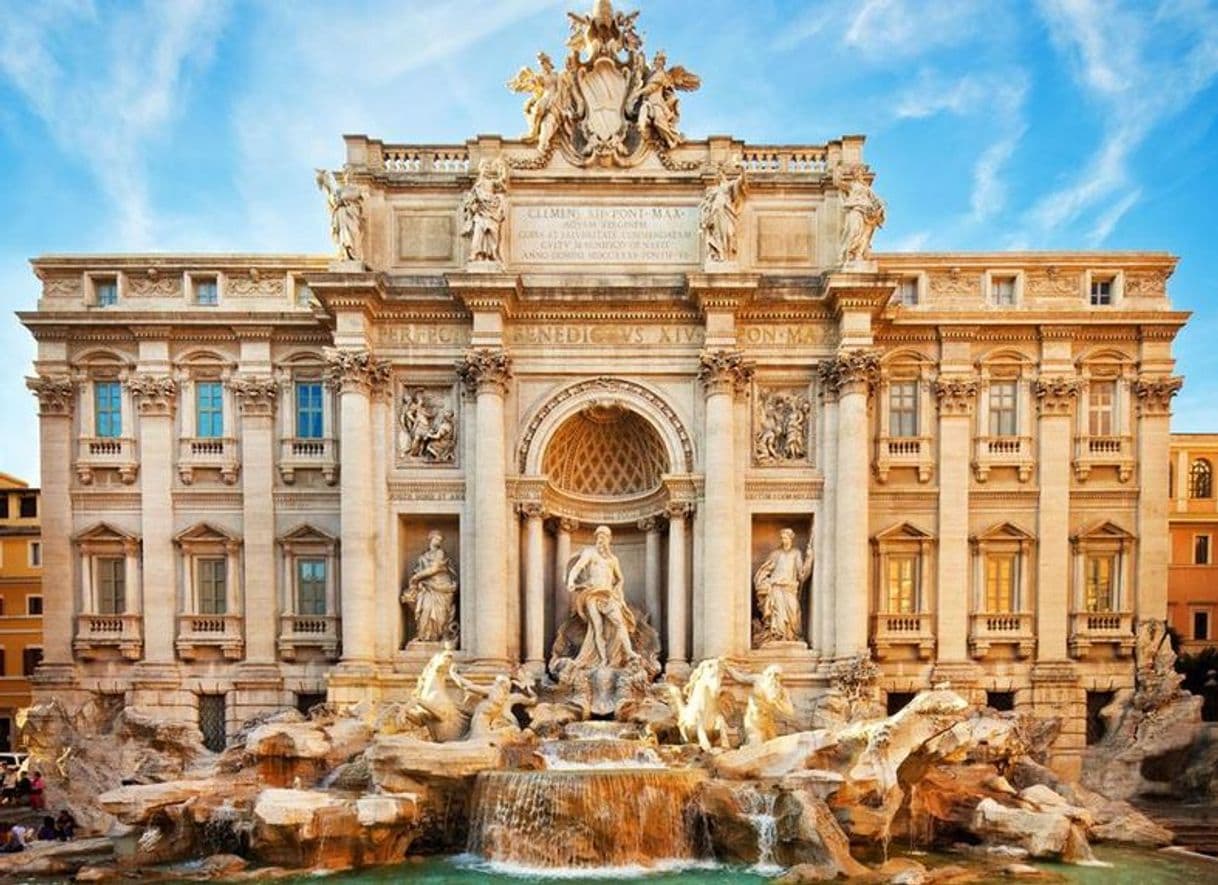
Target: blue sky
194,125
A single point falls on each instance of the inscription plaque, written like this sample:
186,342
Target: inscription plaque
605,235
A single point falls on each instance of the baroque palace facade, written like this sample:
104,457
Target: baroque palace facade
269,478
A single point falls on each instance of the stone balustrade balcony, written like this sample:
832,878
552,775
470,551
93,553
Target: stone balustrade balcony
305,453
895,635
1103,451
199,632
297,632
1003,451
904,451
117,632
1013,630
117,453
1113,629
208,453
778,159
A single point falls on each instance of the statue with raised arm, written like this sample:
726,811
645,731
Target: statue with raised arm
596,585
440,700
777,582
719,213
550,104
432,593
346,205
770,706
658,106
493,714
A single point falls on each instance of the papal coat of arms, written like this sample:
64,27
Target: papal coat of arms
608,105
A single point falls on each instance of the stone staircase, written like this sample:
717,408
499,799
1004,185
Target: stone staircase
1195,826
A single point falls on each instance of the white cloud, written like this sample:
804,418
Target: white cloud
903,28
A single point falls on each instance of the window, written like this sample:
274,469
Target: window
3,506
3,670
207,293
902,585
310,586
1101,583
1201,549
1201,625
111,585
1001,701
1201,479
1102,408
212,717
1003,408
898,701
209,409
35,554
106,292
28,508
33,605
907,291
308,410
107,408
903,408
306,701
30,659
212,598
1096,726
1000,583
1002,291
1101,293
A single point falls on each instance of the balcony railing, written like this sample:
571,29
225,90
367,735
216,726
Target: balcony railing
304,453
1113,628
106,453
892,631
425,159
308,631
196,632
903,451
115,631
208,453
1003,451
987,629
764,159
1103,451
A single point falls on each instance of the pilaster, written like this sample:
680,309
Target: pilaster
956,395
1154,395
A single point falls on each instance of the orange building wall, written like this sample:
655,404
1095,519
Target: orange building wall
1192,587
19,580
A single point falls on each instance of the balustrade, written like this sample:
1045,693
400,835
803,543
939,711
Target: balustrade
1015,629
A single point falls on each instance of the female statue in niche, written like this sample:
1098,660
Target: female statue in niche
431,591
777,582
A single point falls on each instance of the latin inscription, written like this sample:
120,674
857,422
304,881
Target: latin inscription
423,335
605,235
609,334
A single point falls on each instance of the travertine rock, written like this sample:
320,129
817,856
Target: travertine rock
400,764
1043,834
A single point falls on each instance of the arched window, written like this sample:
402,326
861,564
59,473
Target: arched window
1201,479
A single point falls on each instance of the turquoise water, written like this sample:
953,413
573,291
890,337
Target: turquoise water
1127,867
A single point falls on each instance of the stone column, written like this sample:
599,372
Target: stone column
722,372
823,621
256,396
488,371
562,555
676,619
56,401
534,586
1154,395
853,372
354,373
651,571
1055,396
956,395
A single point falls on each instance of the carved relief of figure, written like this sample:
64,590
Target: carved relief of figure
795,433
346,214
484,209
493,714
429,430
699,713
658,106
864,214
777,582
596,584
432,592
769,707
550,102
441,440
719,213
782,434
439,698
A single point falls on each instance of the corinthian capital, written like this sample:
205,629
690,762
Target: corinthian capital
56,394
154,395
850,371
1055,394
255,394
355,368
724,370
956,394
485,368
1155,392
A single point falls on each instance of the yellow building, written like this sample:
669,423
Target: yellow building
1192,583
20,598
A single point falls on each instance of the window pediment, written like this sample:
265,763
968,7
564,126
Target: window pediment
305,535
1098,532
902,532
103,532
205,534
1003,531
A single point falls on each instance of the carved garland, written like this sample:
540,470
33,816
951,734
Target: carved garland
1055,394
1155,393
725,370
56,394
485,368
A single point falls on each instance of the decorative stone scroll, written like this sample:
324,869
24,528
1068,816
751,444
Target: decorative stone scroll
483,211
1146,284
485,368
719,215
427,426
725,370
355,369
255,394
1055,394
850,371
781,433
154,395
1155,393
956,394
56,394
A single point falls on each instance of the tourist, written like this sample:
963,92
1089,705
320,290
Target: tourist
8,786
23,789
47,832
11,839
37,792
65,826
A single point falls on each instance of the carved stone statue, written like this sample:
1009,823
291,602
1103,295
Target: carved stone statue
782,434
428,429
596,585
699,716
484,210
552,102
658,106
719,213
439,700
777,582
432,593
769,705
346,214
864,214
493,714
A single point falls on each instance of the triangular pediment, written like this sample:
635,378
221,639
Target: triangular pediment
202,532
306,534
903,531
1101,530
1004,531
104,531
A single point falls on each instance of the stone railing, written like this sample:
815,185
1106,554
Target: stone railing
762,159
1113,628
1003,451
214,453
425,159
890,631
987,629
119,632
1105,451
903,451
106,453
298,632
196,632
306,453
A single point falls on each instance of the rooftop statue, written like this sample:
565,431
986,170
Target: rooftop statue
863,215
484,209
346,204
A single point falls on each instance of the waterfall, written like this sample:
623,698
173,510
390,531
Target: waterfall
598,754
594,817
758,807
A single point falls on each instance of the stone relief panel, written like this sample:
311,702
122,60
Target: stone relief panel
61,287
1053,282
426,426
254,285
154,284
781,427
